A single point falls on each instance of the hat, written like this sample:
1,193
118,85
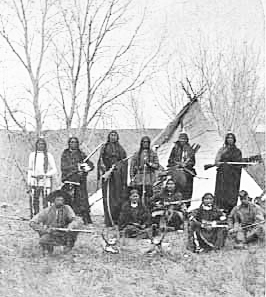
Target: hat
183,135
59,193
242,194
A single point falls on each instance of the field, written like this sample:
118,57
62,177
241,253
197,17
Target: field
88,271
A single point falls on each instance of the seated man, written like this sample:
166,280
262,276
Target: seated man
204,230
245,222
58,215
173,208
133,219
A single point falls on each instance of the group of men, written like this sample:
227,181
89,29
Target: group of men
153,197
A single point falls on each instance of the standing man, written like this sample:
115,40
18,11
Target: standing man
41,170
112,172
58,215
75,170
143,168
228,176
181,163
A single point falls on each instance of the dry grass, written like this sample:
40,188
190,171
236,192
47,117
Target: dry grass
87,271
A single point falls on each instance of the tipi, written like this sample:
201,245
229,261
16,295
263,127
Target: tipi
203,132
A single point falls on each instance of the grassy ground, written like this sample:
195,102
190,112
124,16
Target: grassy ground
87,271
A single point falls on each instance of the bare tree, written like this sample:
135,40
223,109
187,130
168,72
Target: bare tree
95,67
27,32
235,90
134,105
167,88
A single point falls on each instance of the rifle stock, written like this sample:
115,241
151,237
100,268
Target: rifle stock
208,166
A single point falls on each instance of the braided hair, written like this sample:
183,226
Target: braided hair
45,164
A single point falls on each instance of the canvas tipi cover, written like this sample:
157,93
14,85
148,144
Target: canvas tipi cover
200,131
203,132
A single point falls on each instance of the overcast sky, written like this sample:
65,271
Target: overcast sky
184,24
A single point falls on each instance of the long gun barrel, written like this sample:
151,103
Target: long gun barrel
73,230
93,152
208,166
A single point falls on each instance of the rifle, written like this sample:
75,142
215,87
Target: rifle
108,173
208,166
93,152
73,230
15,218
251,225
195,148
215,225
80,164
253,160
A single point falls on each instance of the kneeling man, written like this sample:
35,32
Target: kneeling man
246,222
58,215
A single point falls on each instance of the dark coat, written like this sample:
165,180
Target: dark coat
69,168
113,153
186,155
130,215
227,178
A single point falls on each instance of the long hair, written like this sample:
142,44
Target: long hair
45,163
113,131
141,148
226,138
116,148
73,138
164,186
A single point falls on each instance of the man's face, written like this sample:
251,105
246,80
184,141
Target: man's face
113,137
230,139
146,144
170,186
134,199
208,200
59,201
182,141
244,199
41,146
73,144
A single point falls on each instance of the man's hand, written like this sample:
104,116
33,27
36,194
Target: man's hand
146,161
47,230
180,164
206,226
231,231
